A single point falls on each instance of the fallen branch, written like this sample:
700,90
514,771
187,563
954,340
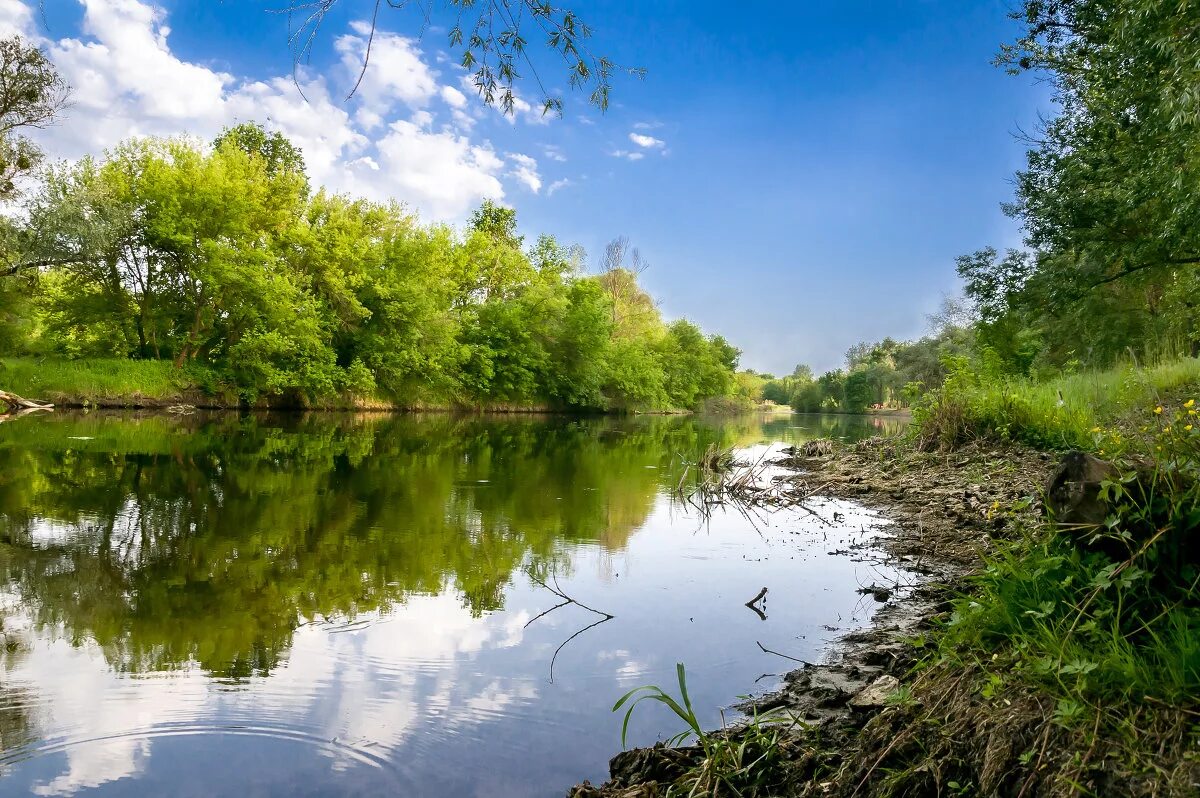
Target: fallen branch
16,403
753,604
766,650
11,415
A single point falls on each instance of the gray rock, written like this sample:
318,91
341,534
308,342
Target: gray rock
875,694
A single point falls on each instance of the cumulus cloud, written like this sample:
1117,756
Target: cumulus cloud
404,135
446,170
525,170
648,142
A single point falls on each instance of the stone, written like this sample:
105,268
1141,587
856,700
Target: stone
875,694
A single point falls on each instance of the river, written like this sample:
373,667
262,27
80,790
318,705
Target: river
224,604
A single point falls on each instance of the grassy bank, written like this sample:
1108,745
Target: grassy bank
1059,414
120,382
94,381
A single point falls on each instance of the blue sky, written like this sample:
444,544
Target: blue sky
803,174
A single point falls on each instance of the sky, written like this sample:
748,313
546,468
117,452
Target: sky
799,177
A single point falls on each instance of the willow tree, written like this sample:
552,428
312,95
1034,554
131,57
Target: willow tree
493,42
1108,197
32,95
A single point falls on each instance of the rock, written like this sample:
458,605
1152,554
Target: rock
875,694
822,447
1073,492
656,764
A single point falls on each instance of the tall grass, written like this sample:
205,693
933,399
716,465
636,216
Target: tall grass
1057,414
107,378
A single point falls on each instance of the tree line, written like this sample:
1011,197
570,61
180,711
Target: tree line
221,257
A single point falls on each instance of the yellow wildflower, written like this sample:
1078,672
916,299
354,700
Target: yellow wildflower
1158,410
1188,428
1095,429
1190,403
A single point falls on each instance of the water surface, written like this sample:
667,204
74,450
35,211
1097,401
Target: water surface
357,605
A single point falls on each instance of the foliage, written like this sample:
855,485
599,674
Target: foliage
32,94
1107,197
493,40
222,259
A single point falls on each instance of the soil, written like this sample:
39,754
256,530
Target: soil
948,509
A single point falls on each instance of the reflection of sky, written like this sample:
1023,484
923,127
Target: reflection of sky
428,700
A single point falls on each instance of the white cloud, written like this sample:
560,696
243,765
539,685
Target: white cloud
453,97
446,170
525,171
647,141
15,18
554,153
395,70
646,125
628,155
557,185
384,143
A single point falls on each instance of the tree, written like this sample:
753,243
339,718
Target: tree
492,40
497,222
279,155
1107,197
32,94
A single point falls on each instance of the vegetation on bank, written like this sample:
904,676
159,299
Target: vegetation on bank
222,260
97,380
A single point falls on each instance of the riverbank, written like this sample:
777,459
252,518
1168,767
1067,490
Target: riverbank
158,385
1024,662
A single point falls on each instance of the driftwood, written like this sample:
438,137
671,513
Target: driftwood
16,403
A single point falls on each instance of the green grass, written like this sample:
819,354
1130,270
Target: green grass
1057,414
75,380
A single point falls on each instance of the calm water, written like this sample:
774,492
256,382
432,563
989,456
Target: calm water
337,605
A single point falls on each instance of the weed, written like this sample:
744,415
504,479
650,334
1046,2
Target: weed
741,762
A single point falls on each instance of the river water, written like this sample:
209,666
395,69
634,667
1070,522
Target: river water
336,605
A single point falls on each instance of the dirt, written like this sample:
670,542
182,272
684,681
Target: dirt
948,509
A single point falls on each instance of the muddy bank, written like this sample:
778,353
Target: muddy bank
948,509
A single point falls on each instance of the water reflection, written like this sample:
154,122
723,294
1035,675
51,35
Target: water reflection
203,603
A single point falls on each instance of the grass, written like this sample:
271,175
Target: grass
1058,414
1103,623
742,764
95,379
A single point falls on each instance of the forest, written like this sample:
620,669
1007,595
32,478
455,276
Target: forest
221,258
